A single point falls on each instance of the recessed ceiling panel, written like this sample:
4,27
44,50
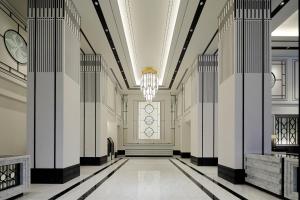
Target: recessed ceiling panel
148,27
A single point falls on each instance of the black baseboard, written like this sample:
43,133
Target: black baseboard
185,154
148,155
205,161
15,197
90,161
176,152
54,176
236,176
121,152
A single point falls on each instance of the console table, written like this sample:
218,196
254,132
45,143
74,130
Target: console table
14,176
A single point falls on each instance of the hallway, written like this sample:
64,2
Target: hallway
146,178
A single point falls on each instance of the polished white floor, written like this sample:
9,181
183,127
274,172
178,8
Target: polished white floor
147,178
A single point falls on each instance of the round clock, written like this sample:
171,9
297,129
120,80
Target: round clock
273,79
16,46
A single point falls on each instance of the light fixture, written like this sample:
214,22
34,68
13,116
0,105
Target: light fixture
149,83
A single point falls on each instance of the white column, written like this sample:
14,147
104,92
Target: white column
204,112
91,81
53,90
244,88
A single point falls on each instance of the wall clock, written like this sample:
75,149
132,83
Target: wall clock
273,79
16,46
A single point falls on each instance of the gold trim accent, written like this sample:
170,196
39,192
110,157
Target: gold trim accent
149,70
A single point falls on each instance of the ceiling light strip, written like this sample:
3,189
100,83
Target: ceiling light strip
197,15
109,38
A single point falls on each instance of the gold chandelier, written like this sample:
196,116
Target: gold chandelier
149,83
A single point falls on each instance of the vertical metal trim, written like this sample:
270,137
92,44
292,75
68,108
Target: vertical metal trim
55,63
243,84
202,98
34,115
84,103
263,78
214,101
95,105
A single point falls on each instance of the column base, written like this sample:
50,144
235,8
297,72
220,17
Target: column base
176,152
54,176
121,152
90,161
204,161
185,154
236,176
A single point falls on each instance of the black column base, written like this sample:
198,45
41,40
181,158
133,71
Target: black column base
121,152
54,176
176,152
92,161
204,161
235,176
185,154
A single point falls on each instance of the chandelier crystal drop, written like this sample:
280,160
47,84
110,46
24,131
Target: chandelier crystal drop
149,83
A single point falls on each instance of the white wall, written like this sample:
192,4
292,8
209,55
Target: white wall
12,95
290,104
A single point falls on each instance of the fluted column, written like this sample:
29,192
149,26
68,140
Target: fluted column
244,85
53,90
204,112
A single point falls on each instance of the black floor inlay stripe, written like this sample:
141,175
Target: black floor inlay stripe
216,182
82,181
90,191
211,195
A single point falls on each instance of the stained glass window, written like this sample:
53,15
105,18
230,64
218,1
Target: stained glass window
149,120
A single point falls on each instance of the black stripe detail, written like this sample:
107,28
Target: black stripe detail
202,115
16,197
91,190
284,48
54,114
34,92
83,34
214,181
109,38
113,73
96,105
84,103
243,91
279,7
211,195
197,15
211,40
263,81
82,181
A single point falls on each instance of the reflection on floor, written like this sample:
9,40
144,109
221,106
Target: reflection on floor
146,178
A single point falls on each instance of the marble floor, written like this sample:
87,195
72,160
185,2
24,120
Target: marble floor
146,178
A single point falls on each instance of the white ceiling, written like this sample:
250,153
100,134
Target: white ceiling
148,27
289,27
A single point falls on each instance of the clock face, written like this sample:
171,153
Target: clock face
273,79
16,46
